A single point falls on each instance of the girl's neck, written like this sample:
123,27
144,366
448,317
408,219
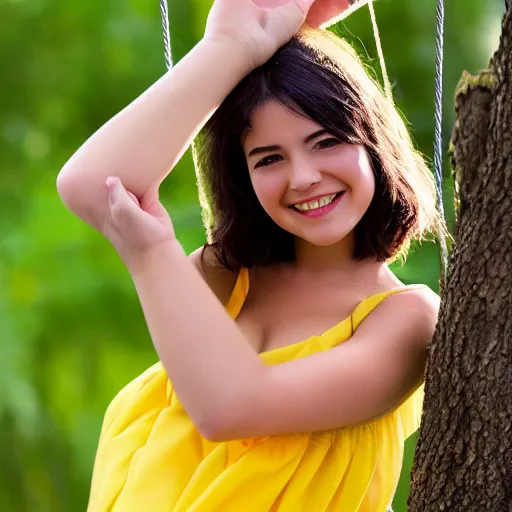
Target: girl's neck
336,261
335,257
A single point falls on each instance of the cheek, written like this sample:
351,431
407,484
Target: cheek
367,186
363,179
267,190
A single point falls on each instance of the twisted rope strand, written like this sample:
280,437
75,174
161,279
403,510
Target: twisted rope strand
385,77
438,121
167,38
438,136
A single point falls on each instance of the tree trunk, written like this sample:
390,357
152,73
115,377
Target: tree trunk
463,459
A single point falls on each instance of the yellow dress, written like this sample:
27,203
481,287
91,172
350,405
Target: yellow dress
151,458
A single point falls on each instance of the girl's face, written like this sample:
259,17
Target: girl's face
308,182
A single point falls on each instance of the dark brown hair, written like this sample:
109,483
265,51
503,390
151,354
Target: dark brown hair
317,75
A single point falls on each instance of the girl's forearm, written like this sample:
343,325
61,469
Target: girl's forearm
211,365
143,142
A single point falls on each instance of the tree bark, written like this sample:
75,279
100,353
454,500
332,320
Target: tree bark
463,459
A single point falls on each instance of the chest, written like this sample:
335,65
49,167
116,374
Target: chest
279,315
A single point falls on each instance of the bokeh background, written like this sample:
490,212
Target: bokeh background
71,329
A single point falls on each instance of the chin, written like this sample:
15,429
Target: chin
324,239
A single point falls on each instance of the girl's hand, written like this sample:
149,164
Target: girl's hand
135,227
261,27
257,27
327,12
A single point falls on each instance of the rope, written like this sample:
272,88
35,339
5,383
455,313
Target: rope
438,120
385,77
438,136
167,37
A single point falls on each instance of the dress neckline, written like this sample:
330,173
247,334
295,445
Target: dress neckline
241,290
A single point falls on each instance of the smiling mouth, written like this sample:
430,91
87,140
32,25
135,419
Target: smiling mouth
317,203
316,211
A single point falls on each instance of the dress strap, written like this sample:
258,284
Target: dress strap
367,305
239,293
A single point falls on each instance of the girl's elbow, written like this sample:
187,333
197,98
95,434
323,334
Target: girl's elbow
78,196
213,429
66,187
212,433
224,425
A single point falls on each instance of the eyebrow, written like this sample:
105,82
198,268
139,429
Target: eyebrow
266,149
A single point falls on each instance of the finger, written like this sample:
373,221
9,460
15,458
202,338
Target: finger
156,209
151,204
124,208
304,5
133,197
328,12
116,190
287,19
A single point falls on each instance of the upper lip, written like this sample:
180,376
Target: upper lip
316,197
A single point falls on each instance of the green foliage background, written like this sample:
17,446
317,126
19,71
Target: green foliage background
71,330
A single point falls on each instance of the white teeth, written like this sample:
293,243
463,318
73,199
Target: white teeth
317,203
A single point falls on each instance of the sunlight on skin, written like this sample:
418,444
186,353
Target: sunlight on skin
322,12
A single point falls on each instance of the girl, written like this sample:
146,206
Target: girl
292,358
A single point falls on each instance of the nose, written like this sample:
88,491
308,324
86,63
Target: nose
303,176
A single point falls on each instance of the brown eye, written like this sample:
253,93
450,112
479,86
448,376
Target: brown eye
327,143
268,160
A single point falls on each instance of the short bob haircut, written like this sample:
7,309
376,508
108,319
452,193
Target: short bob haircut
318,75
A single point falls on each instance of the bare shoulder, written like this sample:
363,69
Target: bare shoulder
220,279
421,302
413,312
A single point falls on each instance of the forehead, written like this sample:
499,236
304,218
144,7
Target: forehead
273,122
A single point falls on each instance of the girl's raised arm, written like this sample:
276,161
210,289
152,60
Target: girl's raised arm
143,142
